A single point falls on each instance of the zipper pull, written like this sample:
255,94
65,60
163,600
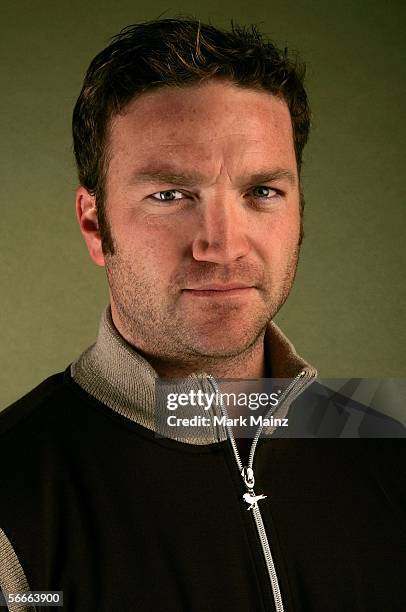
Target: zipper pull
247,474
250,498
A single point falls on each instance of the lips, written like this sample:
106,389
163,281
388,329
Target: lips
219,291
219,287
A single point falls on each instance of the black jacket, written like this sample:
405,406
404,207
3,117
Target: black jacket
120,520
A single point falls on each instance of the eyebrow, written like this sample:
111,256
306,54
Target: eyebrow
270,176
190,179
162,175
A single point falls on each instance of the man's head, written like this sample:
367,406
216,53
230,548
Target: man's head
189,144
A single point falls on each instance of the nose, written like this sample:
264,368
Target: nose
222,232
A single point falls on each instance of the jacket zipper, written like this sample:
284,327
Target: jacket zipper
299,383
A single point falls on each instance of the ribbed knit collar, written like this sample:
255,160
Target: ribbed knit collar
112,371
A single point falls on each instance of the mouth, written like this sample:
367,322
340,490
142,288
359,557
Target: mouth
219,291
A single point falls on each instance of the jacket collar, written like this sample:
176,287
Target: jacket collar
112,371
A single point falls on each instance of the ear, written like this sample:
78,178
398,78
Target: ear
86,214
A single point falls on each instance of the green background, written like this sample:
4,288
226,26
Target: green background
346,311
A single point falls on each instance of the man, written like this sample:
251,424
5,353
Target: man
189,145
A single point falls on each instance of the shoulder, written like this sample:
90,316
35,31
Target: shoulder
41,435
52,421
44,416
334,413
35,406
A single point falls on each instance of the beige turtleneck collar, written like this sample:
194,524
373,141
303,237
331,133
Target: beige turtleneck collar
112,371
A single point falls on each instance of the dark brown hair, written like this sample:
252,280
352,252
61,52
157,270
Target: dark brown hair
175,52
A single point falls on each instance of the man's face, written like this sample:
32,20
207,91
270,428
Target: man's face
202,198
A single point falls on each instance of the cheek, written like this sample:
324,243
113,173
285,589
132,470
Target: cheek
154,246
280,235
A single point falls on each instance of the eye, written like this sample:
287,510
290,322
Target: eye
169,195
264,193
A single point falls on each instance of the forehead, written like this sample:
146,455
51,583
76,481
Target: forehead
203,124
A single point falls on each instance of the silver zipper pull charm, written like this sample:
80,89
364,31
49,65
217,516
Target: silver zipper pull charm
250,498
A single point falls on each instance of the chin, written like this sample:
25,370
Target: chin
222,334
223,344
